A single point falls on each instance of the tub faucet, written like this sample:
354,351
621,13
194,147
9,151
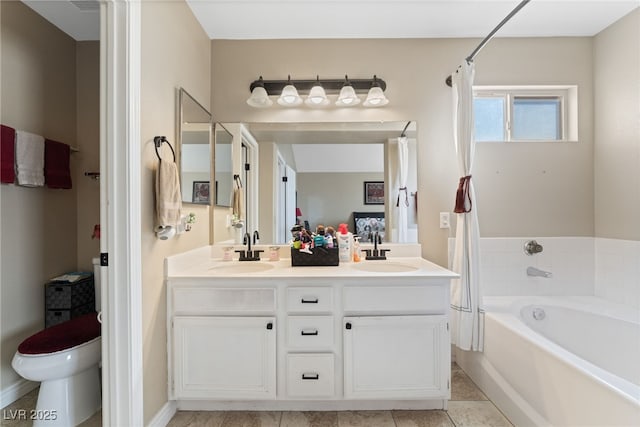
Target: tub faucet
532,271
532,247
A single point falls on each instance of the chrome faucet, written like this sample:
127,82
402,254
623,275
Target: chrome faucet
532,271
377,253
532,247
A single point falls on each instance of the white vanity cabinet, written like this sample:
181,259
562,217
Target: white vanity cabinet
400,357
225,357
222,341
298,338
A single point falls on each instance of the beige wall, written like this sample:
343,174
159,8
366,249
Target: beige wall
539,189
617,129
328,198
37,225
88,142
175,52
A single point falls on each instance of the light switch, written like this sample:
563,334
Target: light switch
444,219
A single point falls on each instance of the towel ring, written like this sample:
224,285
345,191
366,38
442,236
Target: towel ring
157,141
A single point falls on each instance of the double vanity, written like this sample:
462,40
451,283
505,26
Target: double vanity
264,335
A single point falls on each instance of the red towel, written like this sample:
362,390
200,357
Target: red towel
7,154
57,173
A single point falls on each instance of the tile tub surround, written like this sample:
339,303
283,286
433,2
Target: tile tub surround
617,271
606,268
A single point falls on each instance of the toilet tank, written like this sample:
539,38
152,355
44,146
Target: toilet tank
96,282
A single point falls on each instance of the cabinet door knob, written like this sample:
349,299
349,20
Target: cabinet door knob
348,325
269,325
310,376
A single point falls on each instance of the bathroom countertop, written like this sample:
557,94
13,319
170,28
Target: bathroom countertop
391,267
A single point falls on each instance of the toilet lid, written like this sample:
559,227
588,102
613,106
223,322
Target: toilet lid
62,336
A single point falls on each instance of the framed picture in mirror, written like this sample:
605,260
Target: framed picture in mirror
365,223
374,192
200,192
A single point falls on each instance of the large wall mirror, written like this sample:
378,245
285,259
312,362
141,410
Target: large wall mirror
195,150
332,171
223,170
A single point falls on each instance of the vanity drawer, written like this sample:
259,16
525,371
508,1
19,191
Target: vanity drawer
310,332
309,299
205,300
396,299
310,375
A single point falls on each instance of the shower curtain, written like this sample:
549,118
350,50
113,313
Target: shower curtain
466,297
403,194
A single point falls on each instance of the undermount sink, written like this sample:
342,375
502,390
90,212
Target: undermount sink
384,267
241,268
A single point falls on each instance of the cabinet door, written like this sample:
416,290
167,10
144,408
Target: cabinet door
404,357
224,357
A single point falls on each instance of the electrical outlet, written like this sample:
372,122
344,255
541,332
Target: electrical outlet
444,220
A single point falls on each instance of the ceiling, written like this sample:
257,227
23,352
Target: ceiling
303,19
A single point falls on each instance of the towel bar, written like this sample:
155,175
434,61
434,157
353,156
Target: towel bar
157,141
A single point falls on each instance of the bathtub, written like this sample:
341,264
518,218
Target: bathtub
559,361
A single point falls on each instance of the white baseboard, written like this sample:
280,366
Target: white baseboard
164,415
309,405
15,391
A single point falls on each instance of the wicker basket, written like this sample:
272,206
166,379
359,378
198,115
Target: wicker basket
320,257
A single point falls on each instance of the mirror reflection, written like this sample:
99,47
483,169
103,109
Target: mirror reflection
195,150
223,170
330,173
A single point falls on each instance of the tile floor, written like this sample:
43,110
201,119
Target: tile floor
468,407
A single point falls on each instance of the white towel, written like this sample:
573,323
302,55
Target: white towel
238,202
29,159
168,197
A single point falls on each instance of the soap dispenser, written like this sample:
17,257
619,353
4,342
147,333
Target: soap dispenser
357,253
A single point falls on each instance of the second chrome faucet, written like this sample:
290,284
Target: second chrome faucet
532,271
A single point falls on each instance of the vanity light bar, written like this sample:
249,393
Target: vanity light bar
316,89
274,87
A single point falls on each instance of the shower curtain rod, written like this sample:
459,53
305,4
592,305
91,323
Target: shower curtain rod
405,129
486,40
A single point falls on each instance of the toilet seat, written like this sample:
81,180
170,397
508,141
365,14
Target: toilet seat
63,336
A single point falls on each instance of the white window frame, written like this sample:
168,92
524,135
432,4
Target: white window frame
568,96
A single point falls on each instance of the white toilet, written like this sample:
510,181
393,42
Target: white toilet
64,359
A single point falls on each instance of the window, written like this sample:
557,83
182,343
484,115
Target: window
525,113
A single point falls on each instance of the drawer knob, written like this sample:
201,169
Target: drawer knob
269,325
310,376
305,333
309,301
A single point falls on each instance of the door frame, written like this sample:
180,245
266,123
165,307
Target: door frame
120,212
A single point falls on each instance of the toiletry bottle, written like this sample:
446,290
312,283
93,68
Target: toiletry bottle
357,254
345,243
329,236
318,238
